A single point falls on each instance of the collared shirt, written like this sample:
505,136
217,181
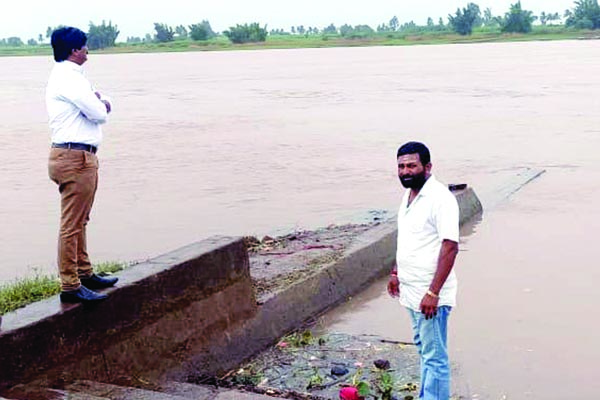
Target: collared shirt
432,216
75,113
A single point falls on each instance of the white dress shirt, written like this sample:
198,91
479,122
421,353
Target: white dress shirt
75,113
431,217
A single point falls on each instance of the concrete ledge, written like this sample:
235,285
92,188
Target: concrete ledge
146,324
370,257
468,203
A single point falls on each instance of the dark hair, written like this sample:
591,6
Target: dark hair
415,147
65,40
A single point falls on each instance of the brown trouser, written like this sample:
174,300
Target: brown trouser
76,173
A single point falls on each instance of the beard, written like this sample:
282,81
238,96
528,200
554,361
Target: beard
413,181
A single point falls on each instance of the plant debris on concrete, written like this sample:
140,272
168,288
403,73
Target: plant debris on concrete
305,367
276,263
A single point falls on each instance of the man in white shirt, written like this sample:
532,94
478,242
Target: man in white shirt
423,278
76,111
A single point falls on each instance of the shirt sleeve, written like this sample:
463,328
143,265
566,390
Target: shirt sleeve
82,95
447,218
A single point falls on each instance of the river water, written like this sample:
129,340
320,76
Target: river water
257,142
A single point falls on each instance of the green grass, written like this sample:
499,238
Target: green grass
221,43
25,291
28,290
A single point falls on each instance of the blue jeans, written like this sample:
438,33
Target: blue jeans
431,340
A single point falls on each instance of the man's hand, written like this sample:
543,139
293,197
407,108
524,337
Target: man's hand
107,105
429,306
393,286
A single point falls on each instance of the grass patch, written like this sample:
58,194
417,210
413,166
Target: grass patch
24,291
108,268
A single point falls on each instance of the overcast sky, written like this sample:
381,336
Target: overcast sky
28,18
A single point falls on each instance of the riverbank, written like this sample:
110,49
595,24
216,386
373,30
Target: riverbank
221,43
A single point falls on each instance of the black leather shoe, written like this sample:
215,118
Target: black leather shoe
98,282
81,295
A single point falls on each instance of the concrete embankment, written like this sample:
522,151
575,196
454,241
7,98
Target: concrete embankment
187,313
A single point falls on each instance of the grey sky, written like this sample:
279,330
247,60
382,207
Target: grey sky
28,18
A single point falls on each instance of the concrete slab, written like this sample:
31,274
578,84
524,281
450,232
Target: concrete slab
236,395
115,392
197,392
34,392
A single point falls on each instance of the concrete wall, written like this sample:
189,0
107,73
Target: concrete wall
161,311
370,257
187,313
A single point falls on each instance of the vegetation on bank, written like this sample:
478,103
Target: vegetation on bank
274,41
467,24
28,290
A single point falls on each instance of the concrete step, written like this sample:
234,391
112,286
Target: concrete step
237,395
24,392
189,390
114,392
205,392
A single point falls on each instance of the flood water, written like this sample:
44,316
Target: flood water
257,142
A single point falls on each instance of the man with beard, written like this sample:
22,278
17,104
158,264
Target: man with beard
423,278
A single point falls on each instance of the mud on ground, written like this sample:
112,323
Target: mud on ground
275,263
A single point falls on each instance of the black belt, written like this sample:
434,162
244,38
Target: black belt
76,146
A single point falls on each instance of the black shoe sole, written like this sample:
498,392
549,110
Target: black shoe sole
74,299
95,285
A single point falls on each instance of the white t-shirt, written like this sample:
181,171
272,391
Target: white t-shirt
431,217
74,111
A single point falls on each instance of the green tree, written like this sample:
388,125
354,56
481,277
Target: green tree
409,27
466,19
181,31
102,36
164,33
517,20
202,31
394,24
330,30
363,31
489,19
50,29
548,17
430,23
32,42
247,33
585,15
40,38
14,41
383,28
346,30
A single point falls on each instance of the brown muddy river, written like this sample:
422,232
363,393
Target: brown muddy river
258,142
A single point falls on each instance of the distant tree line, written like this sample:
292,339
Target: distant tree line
585,14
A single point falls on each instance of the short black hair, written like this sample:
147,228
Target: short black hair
415,147
65,40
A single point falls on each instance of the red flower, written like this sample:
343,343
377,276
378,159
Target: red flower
349,393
